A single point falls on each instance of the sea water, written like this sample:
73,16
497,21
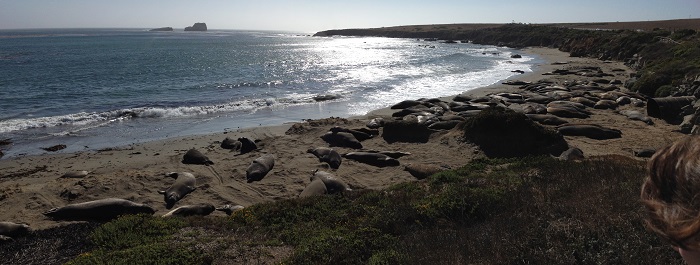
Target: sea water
101,88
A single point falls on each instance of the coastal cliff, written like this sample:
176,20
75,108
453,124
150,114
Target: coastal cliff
655,52
197,27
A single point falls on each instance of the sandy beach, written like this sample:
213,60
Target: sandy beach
30,185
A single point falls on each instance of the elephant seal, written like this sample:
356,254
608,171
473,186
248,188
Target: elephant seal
333,184
76,174
637,116
589,130
444,125
201,209
421,171
10,229
230,209
547,119
392,154
328,155
360,136
316,187
605,104
195,157
375,123
259,168
185,183
374,159
406,104
570,154
583,100
229,143
98,210
247,145
342,139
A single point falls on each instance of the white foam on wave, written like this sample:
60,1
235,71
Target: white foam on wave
88,120
431,86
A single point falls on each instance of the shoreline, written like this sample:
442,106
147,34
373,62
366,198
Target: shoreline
32,184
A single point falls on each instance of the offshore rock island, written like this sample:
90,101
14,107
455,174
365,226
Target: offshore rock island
197,27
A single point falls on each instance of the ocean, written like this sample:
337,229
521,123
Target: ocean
100,88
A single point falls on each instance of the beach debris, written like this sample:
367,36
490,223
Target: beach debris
55,148
193,156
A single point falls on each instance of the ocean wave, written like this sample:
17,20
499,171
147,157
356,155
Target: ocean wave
96,119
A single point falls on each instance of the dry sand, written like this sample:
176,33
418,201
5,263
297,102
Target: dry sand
31,185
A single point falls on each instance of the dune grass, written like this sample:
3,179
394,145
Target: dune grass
534,210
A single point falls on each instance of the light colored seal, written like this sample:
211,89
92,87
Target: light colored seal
315,188
76,174
327,155
573,153
421,171
185,183
333,184
11,229
259,168
98,210
230,209
201,209
193,156
374,159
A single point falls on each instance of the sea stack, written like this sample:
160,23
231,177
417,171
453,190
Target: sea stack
197,27
163,29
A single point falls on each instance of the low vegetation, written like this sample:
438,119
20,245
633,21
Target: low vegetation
533,210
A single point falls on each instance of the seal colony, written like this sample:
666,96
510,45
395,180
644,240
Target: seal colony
415,139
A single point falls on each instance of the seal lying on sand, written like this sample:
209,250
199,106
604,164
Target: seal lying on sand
76,174
184,184
10,229
573,153
195,157
328,155
247,145
324,183
98,210
201,209
229,143
341,139
230,209
421,171
374,159
589,130
259,168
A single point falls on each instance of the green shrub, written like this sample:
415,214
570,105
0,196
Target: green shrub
134,230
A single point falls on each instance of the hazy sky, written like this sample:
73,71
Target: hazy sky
312,16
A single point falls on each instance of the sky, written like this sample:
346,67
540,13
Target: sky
317,15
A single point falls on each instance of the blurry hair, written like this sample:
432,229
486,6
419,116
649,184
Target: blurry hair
671,193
